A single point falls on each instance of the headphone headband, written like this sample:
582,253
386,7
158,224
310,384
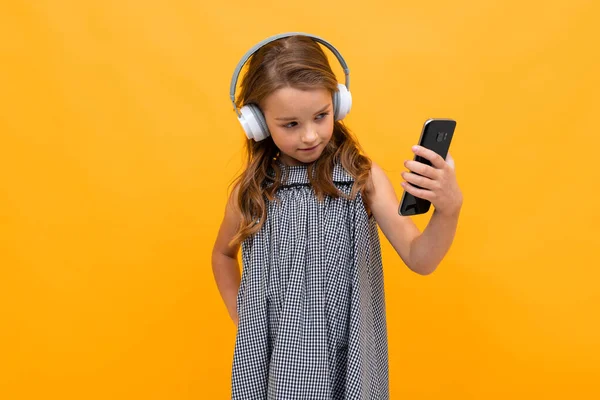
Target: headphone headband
256,47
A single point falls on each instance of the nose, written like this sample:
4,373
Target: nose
310,135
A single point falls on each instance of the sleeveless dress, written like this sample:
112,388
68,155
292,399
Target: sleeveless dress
311,305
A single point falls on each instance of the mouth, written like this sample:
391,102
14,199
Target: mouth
310,148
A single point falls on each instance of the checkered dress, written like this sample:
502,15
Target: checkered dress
311,301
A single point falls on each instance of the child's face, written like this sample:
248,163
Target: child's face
300,122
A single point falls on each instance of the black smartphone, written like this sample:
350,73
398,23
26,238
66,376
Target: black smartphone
436,135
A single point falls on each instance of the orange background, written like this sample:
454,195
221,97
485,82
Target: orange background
119,142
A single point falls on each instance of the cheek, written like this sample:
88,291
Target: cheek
329,129
281,139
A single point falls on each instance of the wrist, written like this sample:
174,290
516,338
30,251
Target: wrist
449,213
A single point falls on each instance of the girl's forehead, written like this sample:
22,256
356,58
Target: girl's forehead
289,99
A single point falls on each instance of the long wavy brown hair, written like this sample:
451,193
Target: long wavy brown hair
297,62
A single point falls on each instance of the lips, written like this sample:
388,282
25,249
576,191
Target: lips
310,148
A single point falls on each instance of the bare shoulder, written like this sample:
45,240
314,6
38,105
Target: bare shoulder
229,226
232,201
379,183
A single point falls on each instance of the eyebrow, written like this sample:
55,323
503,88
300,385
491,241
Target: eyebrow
293,118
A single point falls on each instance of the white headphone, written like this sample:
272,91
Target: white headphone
251,117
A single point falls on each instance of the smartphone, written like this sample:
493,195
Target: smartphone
436,135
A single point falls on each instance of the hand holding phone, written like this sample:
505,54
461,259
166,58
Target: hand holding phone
436,135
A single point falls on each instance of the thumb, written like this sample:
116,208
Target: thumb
450,161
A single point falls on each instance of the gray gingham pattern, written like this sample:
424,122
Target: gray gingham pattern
311,305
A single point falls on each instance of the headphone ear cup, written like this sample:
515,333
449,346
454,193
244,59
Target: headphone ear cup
336,104
253,122
342,102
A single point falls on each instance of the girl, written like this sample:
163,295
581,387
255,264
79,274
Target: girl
309,306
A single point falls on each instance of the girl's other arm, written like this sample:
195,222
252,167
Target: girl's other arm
225,264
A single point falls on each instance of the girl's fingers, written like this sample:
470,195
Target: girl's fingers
436,160
420,193
417,180
450,161
421,169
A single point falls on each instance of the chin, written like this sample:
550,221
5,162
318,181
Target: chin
309,158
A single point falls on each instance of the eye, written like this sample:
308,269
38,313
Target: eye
293,124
